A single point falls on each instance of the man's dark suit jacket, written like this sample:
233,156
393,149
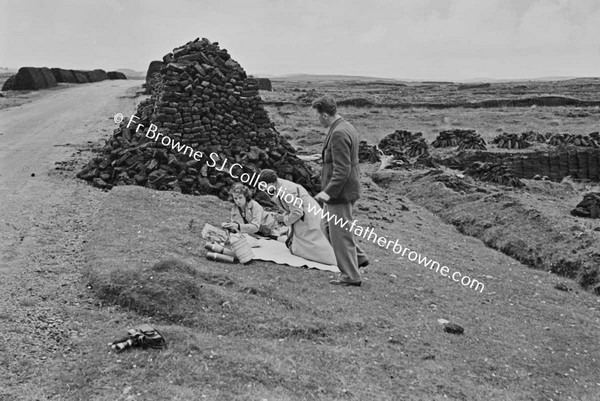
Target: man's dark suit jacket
340,176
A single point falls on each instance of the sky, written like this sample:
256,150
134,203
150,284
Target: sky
402,39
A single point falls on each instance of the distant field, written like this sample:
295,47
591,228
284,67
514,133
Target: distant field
289,107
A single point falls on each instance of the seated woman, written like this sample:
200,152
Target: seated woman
305,238
247,216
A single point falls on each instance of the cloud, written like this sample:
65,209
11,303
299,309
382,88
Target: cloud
395,38
560,25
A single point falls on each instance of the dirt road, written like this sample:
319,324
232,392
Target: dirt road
44,214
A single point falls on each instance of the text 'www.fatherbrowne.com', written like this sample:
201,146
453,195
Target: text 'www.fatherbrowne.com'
254,181
370,235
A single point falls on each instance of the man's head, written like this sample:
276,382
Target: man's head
325,110
269,177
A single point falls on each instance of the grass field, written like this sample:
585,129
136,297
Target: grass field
269,332
264,331
294,118
273,332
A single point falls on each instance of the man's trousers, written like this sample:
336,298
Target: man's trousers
347,253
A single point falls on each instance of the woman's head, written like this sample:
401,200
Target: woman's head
240,194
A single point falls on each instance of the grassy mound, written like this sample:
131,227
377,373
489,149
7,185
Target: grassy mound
267,331
183,287
532,225
171,290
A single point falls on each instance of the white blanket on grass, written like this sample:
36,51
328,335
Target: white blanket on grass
275,251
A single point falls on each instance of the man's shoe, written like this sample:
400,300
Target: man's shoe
346,283
364,264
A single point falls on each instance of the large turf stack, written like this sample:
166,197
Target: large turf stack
494,172
264,84
206,101
116,75
451,138
583,140
472,140
80,77
417,148
511,141
66,76
9,84
592,140
589,206
533,136
397,141
32,78
96,75
153,75
368,153
559,139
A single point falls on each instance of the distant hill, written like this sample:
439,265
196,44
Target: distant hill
360,78
499,80
317,77
132,74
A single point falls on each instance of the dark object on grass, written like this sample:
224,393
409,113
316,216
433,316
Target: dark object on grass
217,248
562,287
356,102
473,86
494,172
264,84
559,139
512,141
144,336
589,206
393,144
417,148
368,153
472,140
453,328
451,138
583,140
219,257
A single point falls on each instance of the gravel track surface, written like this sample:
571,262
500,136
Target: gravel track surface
44,219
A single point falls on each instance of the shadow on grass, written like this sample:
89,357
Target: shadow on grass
175,292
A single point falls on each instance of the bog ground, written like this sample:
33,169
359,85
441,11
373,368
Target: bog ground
80,266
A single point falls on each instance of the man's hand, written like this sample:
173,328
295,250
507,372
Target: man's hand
279,218
322,196
230,226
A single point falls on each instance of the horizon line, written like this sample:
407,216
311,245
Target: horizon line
373,77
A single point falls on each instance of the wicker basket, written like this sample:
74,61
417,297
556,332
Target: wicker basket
241,248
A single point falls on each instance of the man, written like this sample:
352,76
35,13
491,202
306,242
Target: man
340,188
